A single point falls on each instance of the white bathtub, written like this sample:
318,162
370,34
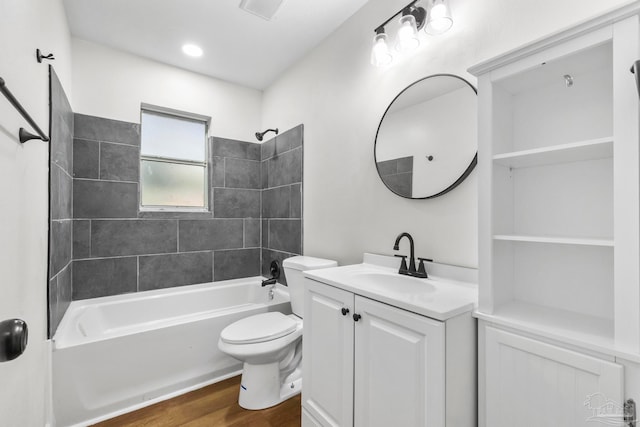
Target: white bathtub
115,354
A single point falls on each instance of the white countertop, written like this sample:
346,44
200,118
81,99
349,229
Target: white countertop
436,297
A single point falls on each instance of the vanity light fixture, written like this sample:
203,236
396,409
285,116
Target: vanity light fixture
407,39
440,19
413,18
192,50
380,54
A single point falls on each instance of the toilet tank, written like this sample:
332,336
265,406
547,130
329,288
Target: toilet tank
293,268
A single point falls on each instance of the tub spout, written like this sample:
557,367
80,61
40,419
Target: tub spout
268,282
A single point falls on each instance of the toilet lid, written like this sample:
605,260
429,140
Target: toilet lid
258,328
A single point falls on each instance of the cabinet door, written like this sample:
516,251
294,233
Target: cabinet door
530,383
399,367
327,354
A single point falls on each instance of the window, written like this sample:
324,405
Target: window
173,160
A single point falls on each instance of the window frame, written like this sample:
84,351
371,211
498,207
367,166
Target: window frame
171,113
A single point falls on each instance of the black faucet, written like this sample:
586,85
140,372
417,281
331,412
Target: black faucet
411,270
271,281
274,269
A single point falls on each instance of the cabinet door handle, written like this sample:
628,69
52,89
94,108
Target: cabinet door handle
356,317
344,311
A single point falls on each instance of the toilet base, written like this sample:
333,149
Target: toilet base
261,386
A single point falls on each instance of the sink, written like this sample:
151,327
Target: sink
378,280
438,297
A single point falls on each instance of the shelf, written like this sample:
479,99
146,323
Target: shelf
555,240
593,149
568,327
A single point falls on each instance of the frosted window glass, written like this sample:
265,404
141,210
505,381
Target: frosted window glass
172,184
172,137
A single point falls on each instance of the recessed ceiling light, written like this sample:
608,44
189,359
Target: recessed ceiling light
192,50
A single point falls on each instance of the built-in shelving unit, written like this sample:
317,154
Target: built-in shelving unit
559,228
558,167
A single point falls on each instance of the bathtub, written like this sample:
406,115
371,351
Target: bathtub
112,355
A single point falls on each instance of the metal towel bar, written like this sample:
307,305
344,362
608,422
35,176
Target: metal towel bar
22,134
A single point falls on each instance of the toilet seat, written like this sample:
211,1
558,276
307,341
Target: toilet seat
259,328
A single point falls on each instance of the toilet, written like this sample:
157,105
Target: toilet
270,344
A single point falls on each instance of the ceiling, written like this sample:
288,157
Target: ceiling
239,47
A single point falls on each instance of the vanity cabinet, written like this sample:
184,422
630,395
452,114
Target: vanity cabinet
367,364
559,209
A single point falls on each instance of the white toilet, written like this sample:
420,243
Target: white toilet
270,344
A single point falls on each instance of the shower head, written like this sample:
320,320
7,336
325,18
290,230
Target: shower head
260,135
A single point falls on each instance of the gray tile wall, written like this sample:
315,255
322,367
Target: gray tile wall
255,214
281,176
397,174
60,203
117,249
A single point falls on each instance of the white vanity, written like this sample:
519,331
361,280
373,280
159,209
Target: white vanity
381,349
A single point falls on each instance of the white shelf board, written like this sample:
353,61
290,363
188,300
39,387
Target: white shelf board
555,240
568,327
592,149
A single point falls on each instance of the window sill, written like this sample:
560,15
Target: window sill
175,210
175,213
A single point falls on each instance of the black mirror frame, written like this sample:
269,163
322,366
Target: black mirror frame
462,177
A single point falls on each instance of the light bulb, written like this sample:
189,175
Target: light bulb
380,55
439,20
407,34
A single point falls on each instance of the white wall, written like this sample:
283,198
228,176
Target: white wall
112,84
24,26
340,98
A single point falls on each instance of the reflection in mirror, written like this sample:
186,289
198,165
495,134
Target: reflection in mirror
426,143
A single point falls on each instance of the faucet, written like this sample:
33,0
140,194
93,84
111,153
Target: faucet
411,270
271,281
274,269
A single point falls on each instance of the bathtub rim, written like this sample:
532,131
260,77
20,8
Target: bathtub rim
76,307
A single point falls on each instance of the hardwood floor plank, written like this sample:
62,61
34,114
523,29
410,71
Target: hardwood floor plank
214,405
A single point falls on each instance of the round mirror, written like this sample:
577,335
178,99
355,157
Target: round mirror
426,143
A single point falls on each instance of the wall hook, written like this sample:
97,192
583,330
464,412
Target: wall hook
568,80
40,56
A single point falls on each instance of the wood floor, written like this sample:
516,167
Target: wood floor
214,405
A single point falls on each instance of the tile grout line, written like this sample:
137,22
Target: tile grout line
87,139
138,273
63,170
104,180
90,239
96,258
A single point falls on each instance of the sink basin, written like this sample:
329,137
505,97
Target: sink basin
375,280
438,297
